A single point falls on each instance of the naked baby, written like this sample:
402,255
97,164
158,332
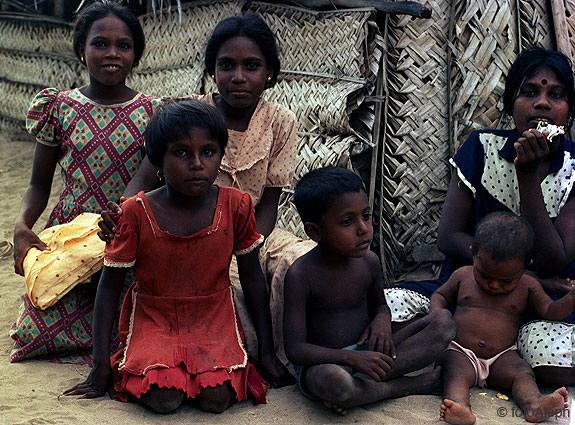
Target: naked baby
489,298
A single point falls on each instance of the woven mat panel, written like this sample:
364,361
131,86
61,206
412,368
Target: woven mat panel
173,82
170,44
570,12
40,70
321,105
35,36
536,23
314,151
484,46
416,152
20,96
337,39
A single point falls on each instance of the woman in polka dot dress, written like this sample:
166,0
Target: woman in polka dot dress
525,172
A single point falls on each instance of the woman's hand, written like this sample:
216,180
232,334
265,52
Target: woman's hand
556,285
96,385
532,148
108,224
24,239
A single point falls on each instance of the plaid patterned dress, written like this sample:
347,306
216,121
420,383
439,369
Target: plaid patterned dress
101,147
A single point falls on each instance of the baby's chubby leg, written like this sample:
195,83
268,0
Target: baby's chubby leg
458,376
162,400
512,372
340,389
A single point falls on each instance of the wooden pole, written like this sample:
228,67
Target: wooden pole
562,34
560,25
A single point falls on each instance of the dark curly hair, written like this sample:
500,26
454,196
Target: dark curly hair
99,10
316,191
178,117
529,62
505,236
252,27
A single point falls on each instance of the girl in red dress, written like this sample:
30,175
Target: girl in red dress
179,328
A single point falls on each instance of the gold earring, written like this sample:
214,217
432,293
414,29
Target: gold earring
213,76
269,79
82,59
160,175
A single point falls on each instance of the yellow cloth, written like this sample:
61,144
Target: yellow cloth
75,254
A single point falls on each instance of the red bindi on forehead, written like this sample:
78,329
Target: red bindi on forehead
544,82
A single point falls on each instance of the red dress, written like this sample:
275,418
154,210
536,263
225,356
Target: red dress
178,325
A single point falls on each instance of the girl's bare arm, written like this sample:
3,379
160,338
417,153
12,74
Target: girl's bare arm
100,379
267,210
145,179
456,224
254,288
34,202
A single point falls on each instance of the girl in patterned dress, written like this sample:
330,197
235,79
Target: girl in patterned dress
180,332
95,134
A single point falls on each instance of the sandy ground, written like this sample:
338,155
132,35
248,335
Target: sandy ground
30,391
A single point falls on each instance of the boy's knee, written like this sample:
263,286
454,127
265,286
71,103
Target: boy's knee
330,382
163,400
216,399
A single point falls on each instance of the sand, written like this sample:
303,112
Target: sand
30,391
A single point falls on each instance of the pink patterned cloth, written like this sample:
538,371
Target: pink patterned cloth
101,146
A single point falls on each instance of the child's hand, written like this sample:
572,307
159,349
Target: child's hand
378,332
374,364
108,224
98,383
274,371
24,239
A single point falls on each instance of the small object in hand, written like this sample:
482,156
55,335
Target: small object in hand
552,130
502,396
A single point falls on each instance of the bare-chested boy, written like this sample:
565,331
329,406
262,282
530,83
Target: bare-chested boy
489,299
337,325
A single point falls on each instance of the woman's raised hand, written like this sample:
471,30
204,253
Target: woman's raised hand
532,148
108,224
24,239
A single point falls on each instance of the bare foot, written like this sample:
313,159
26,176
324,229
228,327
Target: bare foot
456,413
337,409
546,406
